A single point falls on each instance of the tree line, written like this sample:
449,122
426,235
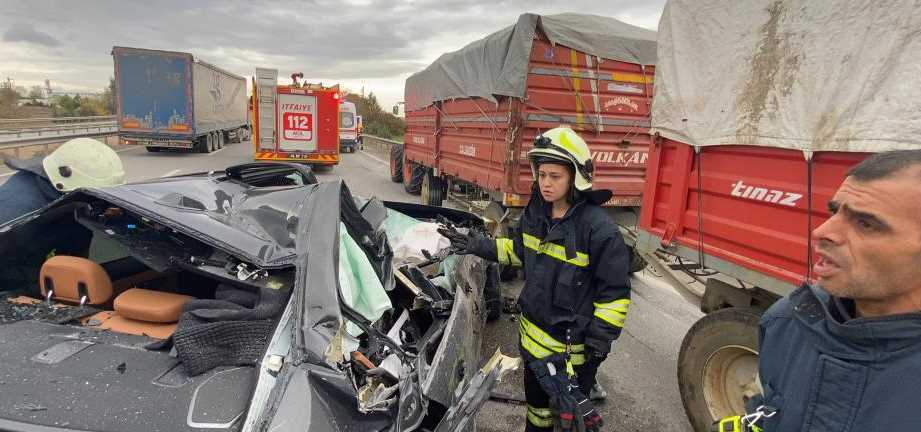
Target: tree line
62,106
377,121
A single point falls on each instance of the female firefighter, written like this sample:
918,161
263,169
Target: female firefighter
577,288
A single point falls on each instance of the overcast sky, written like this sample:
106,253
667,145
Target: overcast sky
370,43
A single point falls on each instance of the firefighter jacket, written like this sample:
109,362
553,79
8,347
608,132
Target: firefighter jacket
824,370
576,277
23,193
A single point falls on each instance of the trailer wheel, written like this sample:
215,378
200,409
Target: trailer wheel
242,135
396,163
203,144
718,365
413,175
432,189
220,140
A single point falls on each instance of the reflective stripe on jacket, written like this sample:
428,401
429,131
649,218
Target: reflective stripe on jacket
576,271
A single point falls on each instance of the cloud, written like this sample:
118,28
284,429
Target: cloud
20,32
370,43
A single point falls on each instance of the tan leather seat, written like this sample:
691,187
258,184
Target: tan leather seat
75,280
142,312
150,306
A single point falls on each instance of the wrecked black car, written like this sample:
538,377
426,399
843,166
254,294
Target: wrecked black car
252,299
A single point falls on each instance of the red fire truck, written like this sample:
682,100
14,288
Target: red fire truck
297,122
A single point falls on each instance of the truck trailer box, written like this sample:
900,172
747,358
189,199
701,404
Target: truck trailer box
761,107
170,99
473,114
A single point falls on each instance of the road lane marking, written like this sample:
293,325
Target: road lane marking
374,157
8,174
171,173
216,152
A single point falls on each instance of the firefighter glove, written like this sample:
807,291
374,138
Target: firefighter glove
589,420
463,244
552,377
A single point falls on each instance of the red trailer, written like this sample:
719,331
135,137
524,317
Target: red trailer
761,107
472,115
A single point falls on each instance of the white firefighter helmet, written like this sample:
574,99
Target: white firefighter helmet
83,162
563,145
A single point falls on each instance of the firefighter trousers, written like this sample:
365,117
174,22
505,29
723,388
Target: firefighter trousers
539,415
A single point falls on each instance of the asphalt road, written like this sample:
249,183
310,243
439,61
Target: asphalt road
640,375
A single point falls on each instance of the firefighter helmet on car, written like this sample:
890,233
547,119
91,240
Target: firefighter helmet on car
83,162
565,146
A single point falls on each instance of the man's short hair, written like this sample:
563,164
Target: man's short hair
885,164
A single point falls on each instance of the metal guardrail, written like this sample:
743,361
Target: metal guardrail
382,140
23,137
30,123
12,135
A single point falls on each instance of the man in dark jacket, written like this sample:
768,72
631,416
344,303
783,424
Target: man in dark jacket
80,162
577,290
845,354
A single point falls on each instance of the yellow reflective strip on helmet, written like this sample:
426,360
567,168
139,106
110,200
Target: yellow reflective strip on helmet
506,251
613,318
617,305
554,250
568,145
538,421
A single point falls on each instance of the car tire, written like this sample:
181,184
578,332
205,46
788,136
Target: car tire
719,347
412,177
396,163
432,192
